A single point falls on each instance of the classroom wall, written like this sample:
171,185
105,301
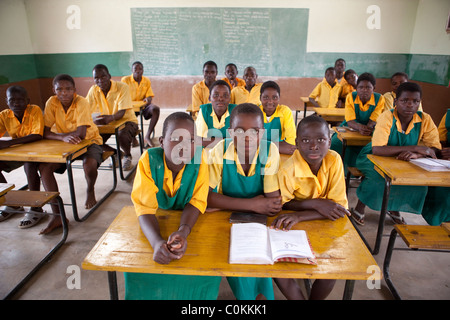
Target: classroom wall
411,37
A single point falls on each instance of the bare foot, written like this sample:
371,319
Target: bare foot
54,223
90,199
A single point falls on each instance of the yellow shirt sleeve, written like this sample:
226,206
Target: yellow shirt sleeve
316,91
37,121
382,130
289,130
388,101
349,108
200,124
442,130
379,108
200,95
429,133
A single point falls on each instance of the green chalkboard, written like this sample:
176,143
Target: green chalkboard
177,41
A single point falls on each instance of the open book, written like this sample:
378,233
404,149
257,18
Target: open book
437,165
254,243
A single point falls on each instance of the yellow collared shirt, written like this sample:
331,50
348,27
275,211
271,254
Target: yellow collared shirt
428,135
240,82
241,95
200,95
442,129
215,161
144,190
350,107
297,182
202,127
32,122
138,91
118,98
288,129
77,115
325,95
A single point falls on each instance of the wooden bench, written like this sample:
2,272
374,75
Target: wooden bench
352,171
417,238
22,198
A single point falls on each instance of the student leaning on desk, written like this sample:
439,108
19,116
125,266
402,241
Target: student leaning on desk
24,123
174,176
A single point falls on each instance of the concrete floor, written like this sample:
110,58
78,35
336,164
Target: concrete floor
417,275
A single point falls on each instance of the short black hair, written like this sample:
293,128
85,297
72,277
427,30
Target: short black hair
349,72
219,83
270,84
340,59
100,66
63,77
17,89
246,108
176,116
231,65
311,119
330,69
409,87
209,63
401,74
366,76
137,62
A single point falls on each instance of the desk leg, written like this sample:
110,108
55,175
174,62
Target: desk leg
387,189
120,160
348,290
387,261
112,281
305,107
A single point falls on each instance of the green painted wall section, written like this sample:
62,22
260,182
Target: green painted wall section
426,68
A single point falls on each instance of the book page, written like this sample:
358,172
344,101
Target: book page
249,244
292,243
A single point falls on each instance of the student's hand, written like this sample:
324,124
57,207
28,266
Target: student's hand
73,139
365,130
268,206
286,221
330,209
104,119
445,153
162,254
286,148
177,244
425,151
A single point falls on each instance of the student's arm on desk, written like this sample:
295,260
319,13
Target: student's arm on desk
268,204
175,247
405,152
26,139
107,118
361,128
73,137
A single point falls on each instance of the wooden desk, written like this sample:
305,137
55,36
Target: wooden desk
351,138
52,151
113,128
307,105
4,188
331,114
340,252
399,172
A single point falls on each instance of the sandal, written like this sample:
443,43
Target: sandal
6,215
30,219
357,216
396,217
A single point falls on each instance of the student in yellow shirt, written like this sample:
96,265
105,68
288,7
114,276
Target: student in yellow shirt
243,178
231,78
397,79
113,100
142,96
24,123
351,79
326,93
171,177
250,93
312,185
70,115
278,119
339,66
200,91
444,135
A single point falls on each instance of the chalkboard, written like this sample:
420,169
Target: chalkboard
178,41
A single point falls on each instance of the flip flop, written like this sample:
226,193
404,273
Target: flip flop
398,219
6,215
357,216
30,219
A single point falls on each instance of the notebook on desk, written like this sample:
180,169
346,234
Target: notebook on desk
433,165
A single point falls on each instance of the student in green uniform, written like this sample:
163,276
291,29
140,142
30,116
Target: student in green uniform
362,108
172,177
405,133
243,177
213,120
278,119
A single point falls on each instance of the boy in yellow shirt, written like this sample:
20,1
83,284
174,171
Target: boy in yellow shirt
113,100
397,79
141,96
70,114
24,123
326,93
312,184
231,78
250,93
171,177
200,91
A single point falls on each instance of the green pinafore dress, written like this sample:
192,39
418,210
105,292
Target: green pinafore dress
401,198
143,286
272,130
363,117
206,110
437,202
238,186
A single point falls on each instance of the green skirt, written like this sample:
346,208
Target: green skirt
437,206
247,288
145,286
